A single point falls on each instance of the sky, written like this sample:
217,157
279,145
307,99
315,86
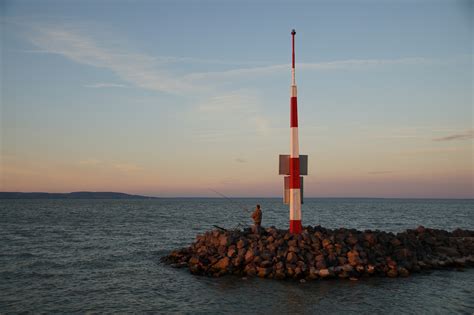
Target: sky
179,98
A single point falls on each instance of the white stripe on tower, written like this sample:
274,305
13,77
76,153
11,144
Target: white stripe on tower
295,189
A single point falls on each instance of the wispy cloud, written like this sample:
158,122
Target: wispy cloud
241,160
400,137
432,150
158,73
329,65
105,85
469,134
139,69
152,72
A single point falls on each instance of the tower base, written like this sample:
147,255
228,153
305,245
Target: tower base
295,226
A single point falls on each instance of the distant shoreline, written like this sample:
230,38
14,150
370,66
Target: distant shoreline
71,195
118,195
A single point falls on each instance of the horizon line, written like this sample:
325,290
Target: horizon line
240,197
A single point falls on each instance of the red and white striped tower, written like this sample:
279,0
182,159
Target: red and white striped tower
295,185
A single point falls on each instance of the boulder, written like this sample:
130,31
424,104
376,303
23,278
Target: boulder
402,253
352,240
313,273
263,272
391,264
448,251
222,264
231,252
323,273
266,264
392,273
224,240
370,269
320,253
241,244
420,229
280,274
193,260
249,256
342,260
395,242
257,260
403,272
293,243
321,264
353,257
326,242
290,270
460,262
298,272
279,265
369,238
293,249
291,257
360,269
238,261
250,270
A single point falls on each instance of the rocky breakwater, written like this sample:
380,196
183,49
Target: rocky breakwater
319,253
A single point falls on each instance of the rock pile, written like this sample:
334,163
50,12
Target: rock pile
324,253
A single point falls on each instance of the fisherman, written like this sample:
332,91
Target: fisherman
257,220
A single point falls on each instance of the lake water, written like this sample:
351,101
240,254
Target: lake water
103,255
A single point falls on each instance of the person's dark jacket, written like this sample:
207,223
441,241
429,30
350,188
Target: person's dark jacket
257,216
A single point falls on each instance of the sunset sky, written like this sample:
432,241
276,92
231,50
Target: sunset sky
174,98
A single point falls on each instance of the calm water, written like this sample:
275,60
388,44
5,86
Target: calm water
103,255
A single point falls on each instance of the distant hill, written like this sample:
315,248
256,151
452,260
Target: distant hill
72,195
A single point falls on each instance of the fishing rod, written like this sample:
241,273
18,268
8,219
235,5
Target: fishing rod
235,202
231,200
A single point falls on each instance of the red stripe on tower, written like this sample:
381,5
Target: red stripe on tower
294,112
295,190
295,173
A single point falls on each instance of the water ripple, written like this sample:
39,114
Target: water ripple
77,256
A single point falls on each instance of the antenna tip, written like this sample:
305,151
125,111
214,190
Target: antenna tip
293,32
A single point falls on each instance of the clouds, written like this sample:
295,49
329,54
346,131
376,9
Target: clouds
469,134
140,70
352,64
156,72
105,85
213,92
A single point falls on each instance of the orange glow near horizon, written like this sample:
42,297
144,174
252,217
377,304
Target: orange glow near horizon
413,175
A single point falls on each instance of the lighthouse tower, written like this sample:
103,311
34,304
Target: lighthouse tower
293,165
